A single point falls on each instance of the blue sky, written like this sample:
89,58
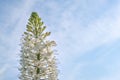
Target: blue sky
87,33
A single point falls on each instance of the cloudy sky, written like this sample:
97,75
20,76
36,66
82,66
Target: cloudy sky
87,33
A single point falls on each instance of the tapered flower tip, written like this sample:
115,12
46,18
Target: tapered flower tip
34,14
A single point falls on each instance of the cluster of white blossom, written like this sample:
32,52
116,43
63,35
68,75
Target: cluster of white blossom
38,61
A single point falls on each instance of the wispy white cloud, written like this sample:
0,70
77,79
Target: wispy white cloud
75,72
2,71
102,31
77,39
114,76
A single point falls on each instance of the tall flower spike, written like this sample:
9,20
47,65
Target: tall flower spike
38,61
